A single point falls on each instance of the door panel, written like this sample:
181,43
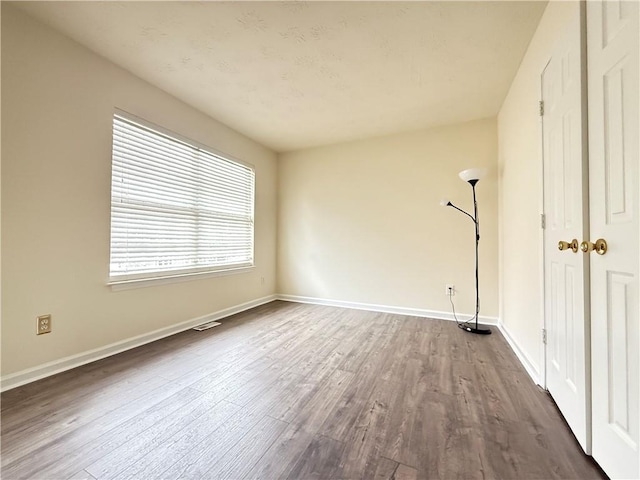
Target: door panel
618,187
566,313
613,38
618,292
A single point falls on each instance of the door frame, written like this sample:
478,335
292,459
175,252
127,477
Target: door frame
542,380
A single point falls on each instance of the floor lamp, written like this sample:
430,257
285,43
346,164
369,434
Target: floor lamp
472,176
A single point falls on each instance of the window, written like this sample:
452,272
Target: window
176,208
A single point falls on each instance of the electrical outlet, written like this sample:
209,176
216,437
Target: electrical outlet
450,290
261,280
43,324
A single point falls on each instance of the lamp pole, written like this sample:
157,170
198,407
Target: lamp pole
472,176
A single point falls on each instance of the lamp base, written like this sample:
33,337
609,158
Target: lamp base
479,331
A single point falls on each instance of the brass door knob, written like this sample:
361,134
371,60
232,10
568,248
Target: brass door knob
600,247
573,245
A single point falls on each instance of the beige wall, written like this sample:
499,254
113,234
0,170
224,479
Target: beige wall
520,187
361,222
57,104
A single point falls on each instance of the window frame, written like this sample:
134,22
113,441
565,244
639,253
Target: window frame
135,280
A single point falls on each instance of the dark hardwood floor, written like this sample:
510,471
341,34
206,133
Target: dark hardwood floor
300,392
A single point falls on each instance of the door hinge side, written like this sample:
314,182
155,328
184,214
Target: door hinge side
543,221
541,108
544,336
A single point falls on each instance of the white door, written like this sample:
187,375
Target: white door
566,295
613,37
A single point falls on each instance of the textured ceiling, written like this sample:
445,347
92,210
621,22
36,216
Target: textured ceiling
298,74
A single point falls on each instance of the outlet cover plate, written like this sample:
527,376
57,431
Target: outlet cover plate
43,324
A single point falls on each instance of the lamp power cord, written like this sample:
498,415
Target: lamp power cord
461,324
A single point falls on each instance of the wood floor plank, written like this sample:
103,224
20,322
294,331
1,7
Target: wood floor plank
67,419
169,449
258,387
386,469
439,363
206,454
82,475
79,382
312,415
365,442
295,391
321,460
405,473
290,399
331,347
237,463
364,343
390,470
80,449
281,458
36,406
204,411
347,409
355,397
408,429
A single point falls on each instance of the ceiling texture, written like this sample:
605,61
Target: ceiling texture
293,75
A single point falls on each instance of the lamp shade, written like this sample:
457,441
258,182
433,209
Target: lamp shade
472,174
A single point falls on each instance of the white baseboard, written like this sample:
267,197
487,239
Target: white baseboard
415,312
526,362
29,375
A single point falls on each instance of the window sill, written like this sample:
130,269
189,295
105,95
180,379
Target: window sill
118,285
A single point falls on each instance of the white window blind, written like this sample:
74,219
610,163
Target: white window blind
175,207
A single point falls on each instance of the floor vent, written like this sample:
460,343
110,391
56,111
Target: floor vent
206,326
